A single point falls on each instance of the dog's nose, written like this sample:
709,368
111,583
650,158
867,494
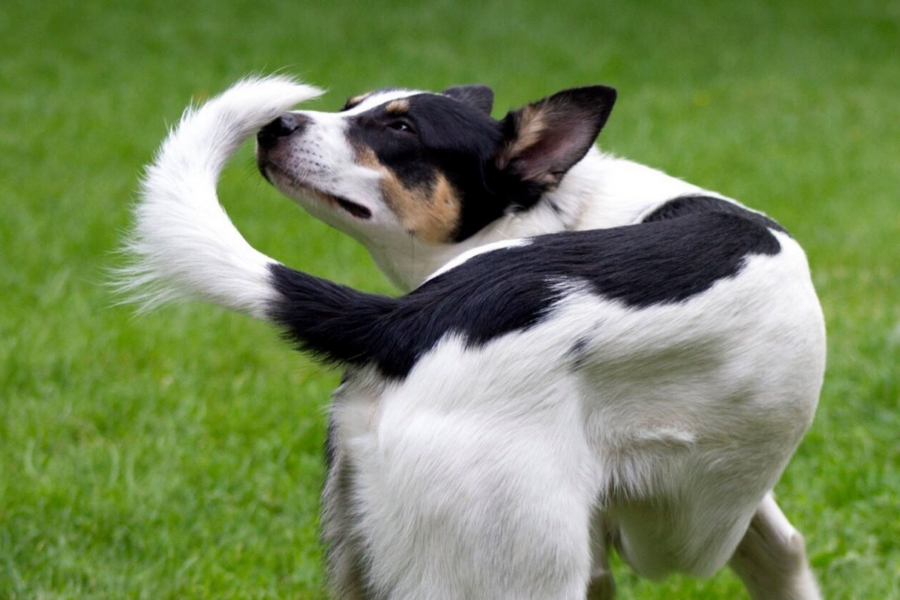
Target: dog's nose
281,127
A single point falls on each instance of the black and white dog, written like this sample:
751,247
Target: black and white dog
637,380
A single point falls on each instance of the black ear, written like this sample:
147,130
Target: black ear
479,96
546,138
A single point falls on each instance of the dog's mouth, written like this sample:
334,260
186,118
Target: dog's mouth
354,209
357,210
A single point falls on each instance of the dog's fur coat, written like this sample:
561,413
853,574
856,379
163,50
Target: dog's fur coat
639,385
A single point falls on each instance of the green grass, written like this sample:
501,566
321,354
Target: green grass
178,455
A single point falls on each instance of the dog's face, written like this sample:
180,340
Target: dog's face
397,162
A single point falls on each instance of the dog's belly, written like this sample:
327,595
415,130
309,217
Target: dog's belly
670,422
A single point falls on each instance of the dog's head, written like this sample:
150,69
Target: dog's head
396,164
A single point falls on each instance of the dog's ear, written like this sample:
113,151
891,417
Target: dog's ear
545,139
478,96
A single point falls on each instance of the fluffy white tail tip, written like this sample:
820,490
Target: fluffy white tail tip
182,243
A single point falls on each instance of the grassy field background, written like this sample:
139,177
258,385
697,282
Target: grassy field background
179,455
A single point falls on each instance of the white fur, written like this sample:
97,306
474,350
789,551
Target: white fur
183,243
493,246
501,472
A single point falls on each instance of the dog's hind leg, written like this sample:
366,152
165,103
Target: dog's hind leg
771,558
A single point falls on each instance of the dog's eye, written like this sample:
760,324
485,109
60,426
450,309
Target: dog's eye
401,126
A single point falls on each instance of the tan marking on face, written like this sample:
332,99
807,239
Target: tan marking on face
357,99
366,157
397,107
431,213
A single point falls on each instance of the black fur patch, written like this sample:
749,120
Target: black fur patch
576,353
663,261
699,204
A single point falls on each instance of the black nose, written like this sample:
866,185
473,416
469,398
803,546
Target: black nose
281,127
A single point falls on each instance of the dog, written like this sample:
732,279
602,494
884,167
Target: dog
593,355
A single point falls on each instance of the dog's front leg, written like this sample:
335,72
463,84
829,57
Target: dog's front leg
603,585
457,507
771,558
343,552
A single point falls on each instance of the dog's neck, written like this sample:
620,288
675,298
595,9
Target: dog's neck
599,192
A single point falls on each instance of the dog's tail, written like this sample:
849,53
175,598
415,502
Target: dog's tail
183,243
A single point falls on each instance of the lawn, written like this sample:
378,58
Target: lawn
179,454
